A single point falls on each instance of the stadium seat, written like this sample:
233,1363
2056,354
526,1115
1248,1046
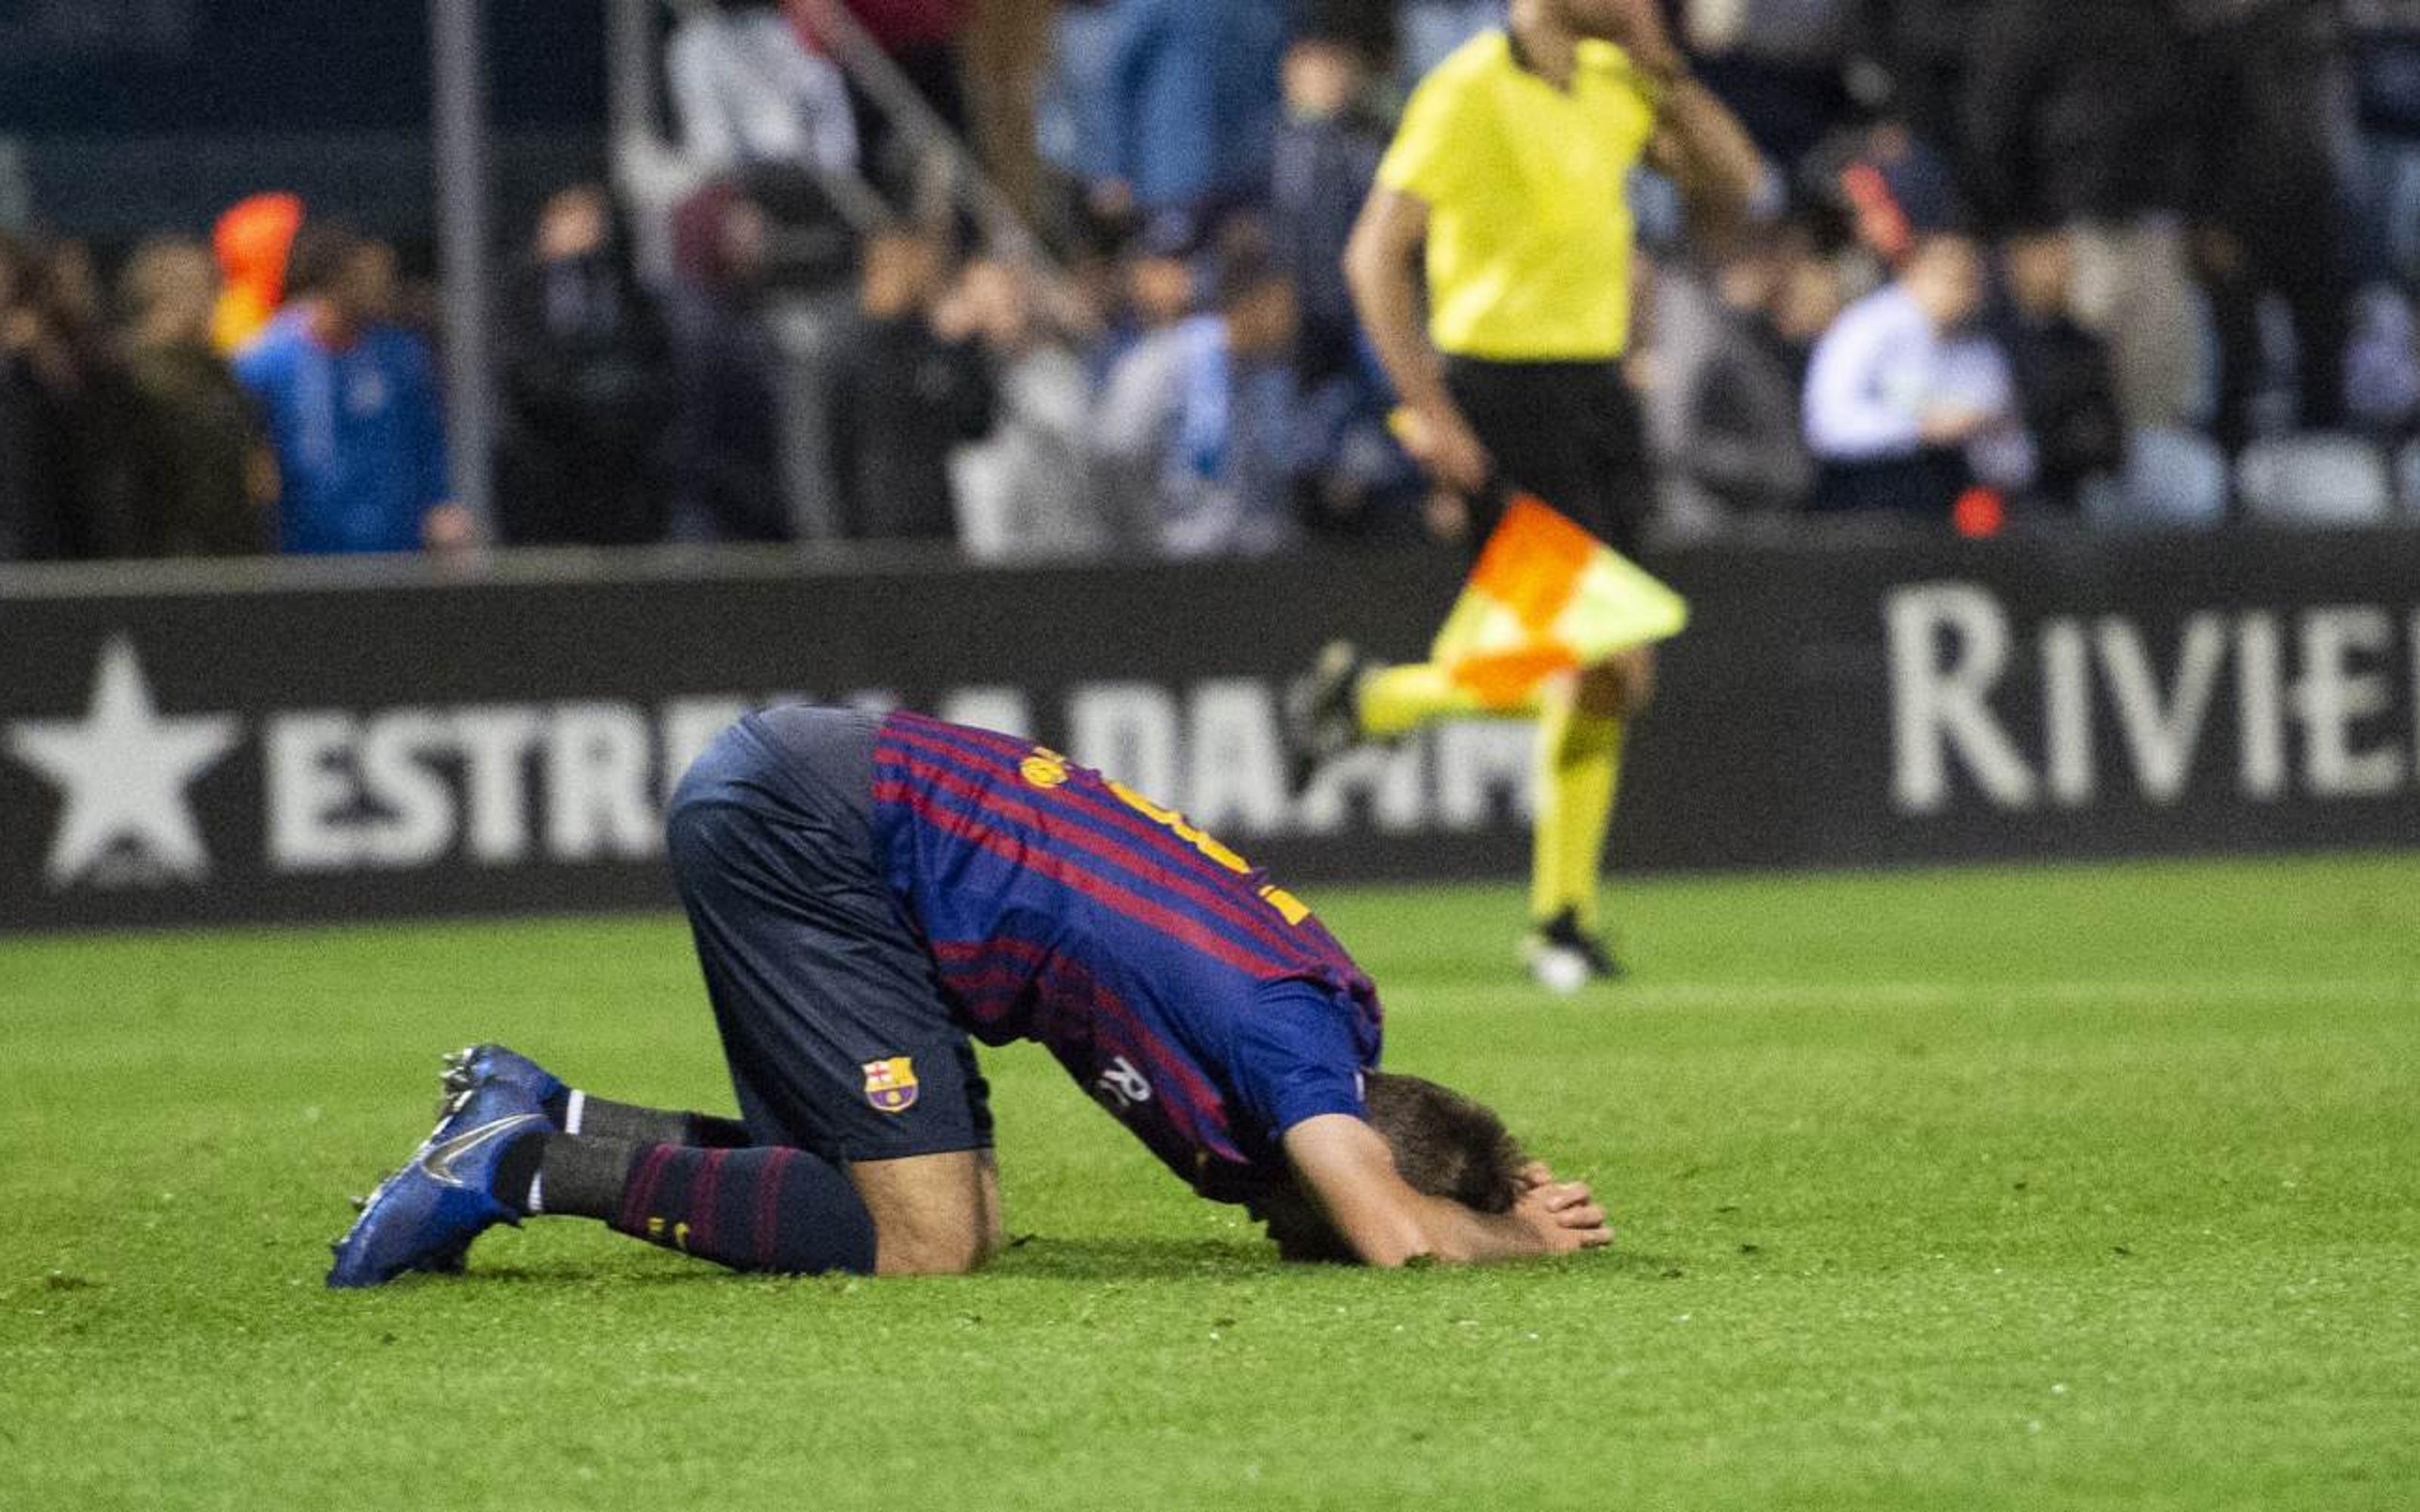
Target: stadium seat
2173,480
2315,480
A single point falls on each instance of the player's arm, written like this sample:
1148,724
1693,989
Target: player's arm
1343,1164
1699,144
1702,148
1380,266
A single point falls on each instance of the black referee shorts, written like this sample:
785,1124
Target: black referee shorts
1568,432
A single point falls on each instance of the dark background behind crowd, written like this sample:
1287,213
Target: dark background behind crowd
2137,262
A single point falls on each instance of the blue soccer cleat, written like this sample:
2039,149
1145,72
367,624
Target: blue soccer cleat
475,1066
425,1216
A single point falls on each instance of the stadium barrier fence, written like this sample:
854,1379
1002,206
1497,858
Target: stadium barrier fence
291,741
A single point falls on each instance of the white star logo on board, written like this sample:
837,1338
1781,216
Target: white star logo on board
124,768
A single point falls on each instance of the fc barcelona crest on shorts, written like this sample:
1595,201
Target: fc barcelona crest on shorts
891,1085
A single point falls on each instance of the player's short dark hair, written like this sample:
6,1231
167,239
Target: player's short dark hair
1445,1145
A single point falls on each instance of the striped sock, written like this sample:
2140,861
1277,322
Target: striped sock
777,1210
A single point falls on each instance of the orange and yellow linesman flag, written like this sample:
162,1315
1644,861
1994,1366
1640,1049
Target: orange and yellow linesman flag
1548,598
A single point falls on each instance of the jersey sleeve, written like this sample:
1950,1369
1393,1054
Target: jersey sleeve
1432,145
1297,1057
1634,106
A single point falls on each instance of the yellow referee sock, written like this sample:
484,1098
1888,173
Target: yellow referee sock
1395,701
1579,769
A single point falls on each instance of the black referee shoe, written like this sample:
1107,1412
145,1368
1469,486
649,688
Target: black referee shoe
1320,721
1562,958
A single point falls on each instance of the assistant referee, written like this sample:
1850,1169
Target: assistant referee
1510,167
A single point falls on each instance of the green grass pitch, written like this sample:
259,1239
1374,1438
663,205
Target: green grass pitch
2072,1188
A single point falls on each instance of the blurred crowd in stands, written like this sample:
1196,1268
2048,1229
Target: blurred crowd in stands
2131,261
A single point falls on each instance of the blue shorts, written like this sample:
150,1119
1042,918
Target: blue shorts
831,1012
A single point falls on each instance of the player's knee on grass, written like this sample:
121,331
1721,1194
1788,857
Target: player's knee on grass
927,1253
930,1217
994,1216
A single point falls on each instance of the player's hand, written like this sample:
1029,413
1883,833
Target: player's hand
1448,450
1563,1215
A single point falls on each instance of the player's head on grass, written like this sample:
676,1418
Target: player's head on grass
1445,1145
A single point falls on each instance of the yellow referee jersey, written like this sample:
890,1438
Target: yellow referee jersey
1529,230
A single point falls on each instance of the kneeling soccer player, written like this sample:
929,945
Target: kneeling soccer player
867,891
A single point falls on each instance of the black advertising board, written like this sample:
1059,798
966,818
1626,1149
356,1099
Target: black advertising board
324,744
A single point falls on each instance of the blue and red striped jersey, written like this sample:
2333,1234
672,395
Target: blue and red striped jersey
1199,1002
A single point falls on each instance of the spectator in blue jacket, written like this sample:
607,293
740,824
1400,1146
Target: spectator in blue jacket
1327,154
1192,106
1202,417
351,406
